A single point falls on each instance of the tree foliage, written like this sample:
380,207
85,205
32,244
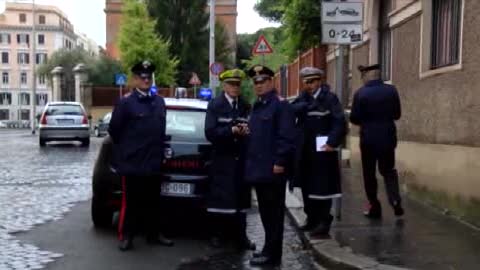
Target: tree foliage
185,25
272,10
138,41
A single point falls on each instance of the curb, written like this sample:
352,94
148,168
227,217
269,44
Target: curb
329,253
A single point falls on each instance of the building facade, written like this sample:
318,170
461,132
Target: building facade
225,11
87,44
53,32
429,49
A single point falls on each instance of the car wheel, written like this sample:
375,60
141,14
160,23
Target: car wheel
42,142
102,215
86,142
97,133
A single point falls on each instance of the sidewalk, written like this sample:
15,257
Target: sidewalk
423,239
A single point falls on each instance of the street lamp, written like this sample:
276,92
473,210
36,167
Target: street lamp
212,44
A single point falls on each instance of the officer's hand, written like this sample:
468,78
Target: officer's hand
244,130
236,130
327,148
278,169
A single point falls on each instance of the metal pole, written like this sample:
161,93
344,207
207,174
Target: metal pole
340,86
34,72
121,90
212,45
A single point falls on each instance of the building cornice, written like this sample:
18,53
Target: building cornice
405,13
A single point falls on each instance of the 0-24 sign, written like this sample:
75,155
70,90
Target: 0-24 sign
342,33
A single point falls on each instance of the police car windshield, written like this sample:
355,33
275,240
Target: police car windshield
186,125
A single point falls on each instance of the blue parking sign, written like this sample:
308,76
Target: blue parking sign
120,79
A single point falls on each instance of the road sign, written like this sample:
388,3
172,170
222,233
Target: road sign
216,68
120,79
194,80
342,22
262,46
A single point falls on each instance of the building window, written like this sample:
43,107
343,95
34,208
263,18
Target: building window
5,78
5,38
41,39
41,19
24,99
24,114
385,40
41,58
42,99
23,78
42,80
23,58
5,58
23,39
4,114
5,99
446,16
22,17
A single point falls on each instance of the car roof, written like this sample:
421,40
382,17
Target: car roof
187,103
64,103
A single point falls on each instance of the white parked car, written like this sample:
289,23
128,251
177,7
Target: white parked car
64,121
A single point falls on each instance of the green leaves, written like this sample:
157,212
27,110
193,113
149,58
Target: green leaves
138,41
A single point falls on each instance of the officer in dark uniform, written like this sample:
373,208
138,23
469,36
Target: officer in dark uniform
226,128
137,129
270,152
321,128
376,107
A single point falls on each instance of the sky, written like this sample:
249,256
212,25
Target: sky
87,16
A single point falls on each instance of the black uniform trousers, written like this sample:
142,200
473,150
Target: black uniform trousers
140,206
271,204
386,166
317,210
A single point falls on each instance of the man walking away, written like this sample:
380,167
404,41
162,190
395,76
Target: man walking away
376,107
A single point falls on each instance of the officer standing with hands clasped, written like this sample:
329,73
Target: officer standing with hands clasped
226,128
137,129
321,128
269,153
376,107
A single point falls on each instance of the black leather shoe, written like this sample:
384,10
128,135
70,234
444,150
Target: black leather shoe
160,240
126,244
215,242
265,261
374,211
398,210
322,230
246,244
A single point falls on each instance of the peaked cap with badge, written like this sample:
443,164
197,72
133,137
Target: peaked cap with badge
260,73
311,73
364,69
232,75
143,68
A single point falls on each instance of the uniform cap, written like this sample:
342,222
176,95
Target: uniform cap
260,73
309,73
143,68
232,75
369,68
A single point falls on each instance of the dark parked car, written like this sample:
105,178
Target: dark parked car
101,128
186,164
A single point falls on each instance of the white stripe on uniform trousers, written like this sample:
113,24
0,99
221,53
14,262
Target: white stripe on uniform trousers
333,196
318,113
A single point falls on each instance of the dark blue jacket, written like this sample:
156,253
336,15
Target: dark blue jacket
376,107
137,129
272,138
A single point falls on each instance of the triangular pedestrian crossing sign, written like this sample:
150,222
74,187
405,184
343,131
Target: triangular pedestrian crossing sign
262,46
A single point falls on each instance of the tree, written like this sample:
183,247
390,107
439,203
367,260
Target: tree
103,71
138,41
185,24
272,10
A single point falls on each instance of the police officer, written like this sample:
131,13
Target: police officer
321,128
376,107
137,129
226,128
270,152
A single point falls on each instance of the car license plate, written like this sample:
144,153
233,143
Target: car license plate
177,189
65,121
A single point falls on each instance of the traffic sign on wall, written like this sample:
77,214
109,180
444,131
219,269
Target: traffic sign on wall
342,22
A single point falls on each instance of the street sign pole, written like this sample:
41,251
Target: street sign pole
212,44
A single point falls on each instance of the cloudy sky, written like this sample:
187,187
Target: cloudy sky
88,16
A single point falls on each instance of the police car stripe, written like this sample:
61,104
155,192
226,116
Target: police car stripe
333,196
224,120
318,113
